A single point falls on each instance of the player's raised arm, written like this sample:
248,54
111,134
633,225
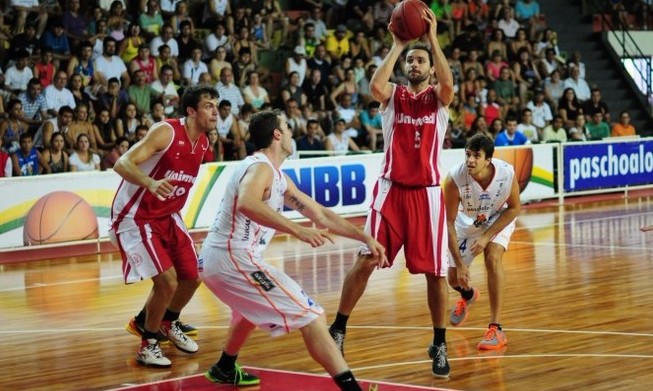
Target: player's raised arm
443,73
380,85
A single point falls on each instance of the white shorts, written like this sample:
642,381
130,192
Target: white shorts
257,291
465,244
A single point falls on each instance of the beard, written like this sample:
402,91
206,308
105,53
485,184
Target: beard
418,78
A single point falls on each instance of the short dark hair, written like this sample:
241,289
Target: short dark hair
481,142
224,103
421,46
262,126
193,95
25,135
66,109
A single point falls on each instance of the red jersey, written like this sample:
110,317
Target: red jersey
414,127
3,163
179,162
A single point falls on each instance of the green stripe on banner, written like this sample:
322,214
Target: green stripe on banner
542,181
11,225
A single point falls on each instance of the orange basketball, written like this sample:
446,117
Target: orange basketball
408,20
60,216
521,159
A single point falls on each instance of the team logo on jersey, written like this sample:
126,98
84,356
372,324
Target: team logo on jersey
135,259
418,139
181,143
428,98
484,197
480,219
262,280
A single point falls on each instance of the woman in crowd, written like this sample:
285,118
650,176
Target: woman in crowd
254,93
56,157
569,108
127,122
83,159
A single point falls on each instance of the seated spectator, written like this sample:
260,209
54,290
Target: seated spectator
569,107
526,75
104,131
218,38
506,90
18,75
470,87
258,32
549,63
492,109
229,91
310,141
44,69
598,129
296,63
57,95
579,131
146,63
58,124
347,111
186,42
494,66
370,121
508,23
339,141
527,13
579,85
623,127
80,95
166,91
337,43
575,62
83,159
527,128
27,160
57,39
510,136
242,40
13,126
82,64
295,119
165,58
26,40
549,40
596,103
214,152
114,99
110,158
181,15
254,93
166,38
29,12
109,66
293,90
542,114
128,121
34,107
80,125
218,61
229,132
554,87
555,132
151,20
6,165
140,93
348,86
55,155
218,12
243,65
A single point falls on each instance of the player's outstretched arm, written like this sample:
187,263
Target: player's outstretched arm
647,228
452,202
326,218
157,139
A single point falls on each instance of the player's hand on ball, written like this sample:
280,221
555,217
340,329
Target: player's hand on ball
430,18
398,41
314,237
161,188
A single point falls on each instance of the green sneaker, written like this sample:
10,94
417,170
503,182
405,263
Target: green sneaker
237,377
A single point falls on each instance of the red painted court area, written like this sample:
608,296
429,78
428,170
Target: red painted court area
271,380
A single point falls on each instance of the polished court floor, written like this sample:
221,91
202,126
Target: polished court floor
577,314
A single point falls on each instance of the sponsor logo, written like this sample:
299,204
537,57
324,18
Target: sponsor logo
402,118
263,281
180,176
480,219
135,260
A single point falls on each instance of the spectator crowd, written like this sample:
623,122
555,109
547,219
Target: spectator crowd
83,80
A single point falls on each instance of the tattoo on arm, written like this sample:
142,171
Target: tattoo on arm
297,204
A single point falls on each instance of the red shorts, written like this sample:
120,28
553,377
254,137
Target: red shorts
413,218
154,247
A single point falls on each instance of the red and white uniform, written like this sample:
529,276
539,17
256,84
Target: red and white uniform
150,233
232,267
480,207
408,205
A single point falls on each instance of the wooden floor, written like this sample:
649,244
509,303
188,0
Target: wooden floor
577,314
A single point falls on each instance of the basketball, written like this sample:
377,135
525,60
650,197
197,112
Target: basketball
521,159
59,216
408,20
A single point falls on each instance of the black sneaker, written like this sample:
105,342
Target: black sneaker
187,329
339,338
440,364
237,377
133,327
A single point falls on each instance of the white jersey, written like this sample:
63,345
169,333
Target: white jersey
224,125
232,229
479,207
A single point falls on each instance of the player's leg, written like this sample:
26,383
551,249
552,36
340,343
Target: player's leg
324,350
494,337
459,313
436,291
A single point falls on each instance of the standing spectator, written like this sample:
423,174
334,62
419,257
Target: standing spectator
623,127
511,136
56,156
555,132
35,110
84,159
109,66
166,91
227,90
57,95
19,74
27,160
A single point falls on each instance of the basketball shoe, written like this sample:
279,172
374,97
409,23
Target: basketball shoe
494,339
237,377
177,337
459,314
150,355
339,338
440,366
